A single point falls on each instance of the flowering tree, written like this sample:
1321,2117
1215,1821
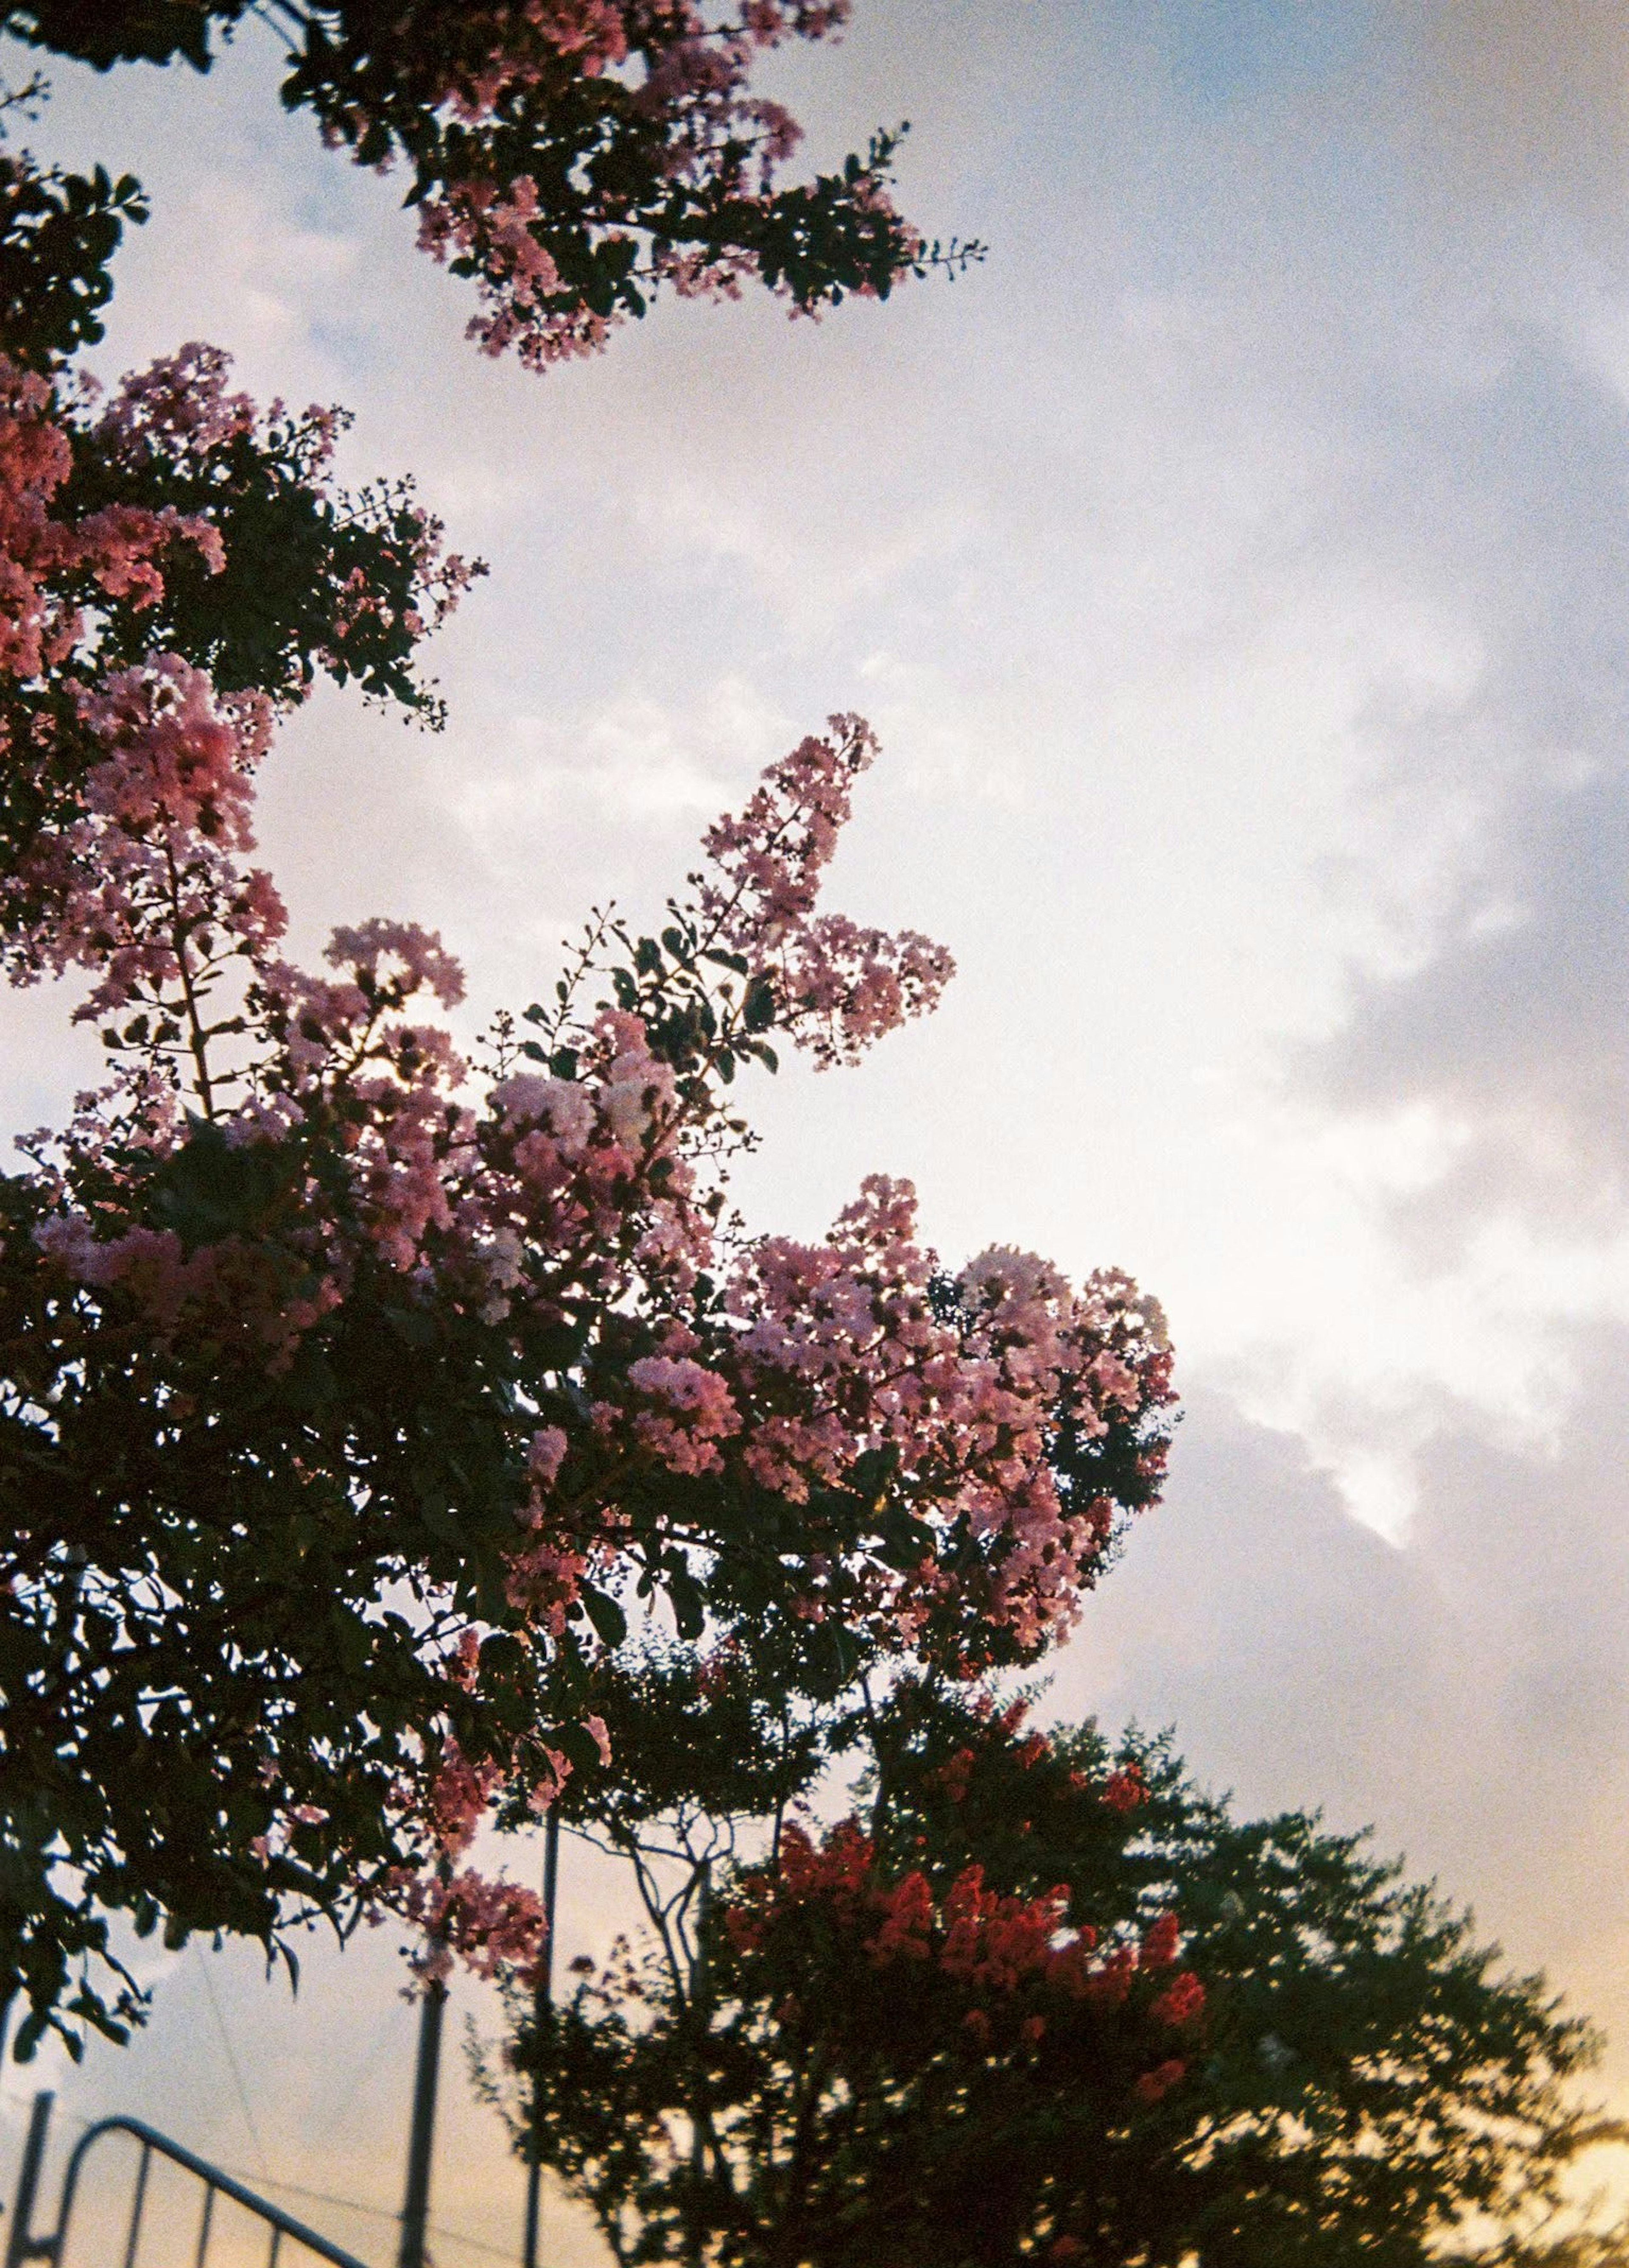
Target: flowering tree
573,157
352,1393
1043,2001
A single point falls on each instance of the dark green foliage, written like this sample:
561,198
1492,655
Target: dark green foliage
58,233
191,1649
103,33
1364,2082
633,169
316,579
1370,2073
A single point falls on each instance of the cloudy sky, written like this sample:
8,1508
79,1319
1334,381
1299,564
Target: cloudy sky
1235,567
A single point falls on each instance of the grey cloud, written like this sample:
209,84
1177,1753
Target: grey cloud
1517,1030
1512,1015
1292,1648
1466,1693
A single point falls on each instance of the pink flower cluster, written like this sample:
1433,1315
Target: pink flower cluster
840,987
704,134
476,218
145,887
245,1300
176,758
569,1212
848,985
179,403
50,568
767,859
692,1410
518,42
493,1926
842,1354
131,786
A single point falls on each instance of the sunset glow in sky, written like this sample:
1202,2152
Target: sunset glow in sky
1236,569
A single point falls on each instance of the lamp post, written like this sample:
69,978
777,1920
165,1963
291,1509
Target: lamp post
416,2199
700,1984
541,2002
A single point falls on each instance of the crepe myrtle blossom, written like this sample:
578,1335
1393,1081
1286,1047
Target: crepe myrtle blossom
299,1287
574,159
52,567
939,1460
675,180
685,195
841,986
871,1976
146,644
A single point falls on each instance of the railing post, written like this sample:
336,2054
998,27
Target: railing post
20,2244
415,2201
133,2241
202,2253
153,2144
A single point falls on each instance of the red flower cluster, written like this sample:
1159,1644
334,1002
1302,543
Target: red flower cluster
1125,1789
1011,1969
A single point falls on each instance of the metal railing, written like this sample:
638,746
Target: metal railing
23,2246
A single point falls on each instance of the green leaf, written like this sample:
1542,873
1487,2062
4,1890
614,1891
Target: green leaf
758,1007
609,1621
491,1587
689,1604
578,1745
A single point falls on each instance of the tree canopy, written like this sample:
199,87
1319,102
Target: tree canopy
354,1391
1039,1998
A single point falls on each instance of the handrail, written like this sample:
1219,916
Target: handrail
24,2246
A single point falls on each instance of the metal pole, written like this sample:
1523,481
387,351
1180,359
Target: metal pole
416,2202
20,2244
542,2000
699,2015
